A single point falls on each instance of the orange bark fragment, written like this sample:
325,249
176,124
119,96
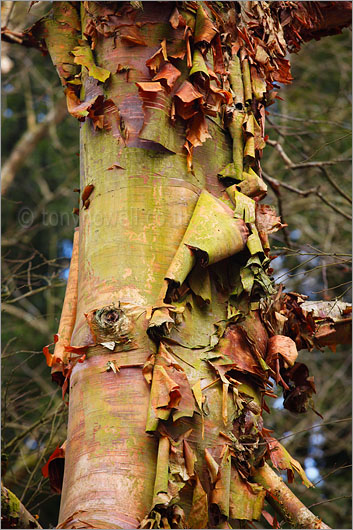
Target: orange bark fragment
169,73
87,192
187,100
68,315
150,86
283,346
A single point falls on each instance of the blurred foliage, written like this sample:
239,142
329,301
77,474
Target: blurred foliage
37,230
312,123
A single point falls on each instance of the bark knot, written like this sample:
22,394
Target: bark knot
112,323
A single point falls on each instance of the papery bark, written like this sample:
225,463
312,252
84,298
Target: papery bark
172,260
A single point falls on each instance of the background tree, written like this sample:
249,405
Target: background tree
268,171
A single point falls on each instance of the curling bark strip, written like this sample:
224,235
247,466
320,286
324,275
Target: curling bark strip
68,314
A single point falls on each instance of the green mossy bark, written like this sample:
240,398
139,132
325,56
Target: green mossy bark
13,513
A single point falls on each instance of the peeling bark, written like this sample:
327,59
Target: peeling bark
175,326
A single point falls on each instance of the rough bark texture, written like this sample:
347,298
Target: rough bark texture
168,362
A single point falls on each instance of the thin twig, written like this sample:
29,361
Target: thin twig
41,421
35,322
318,252
28,142
305,193
319,164
331,473
331,288
301,165
39,461
40,289
330,500
300,432
331,205
278,183
308,120
335,185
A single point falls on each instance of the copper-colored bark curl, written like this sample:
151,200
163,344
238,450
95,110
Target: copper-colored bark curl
68,314
318,19
333,322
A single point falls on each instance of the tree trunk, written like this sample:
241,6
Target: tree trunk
174,334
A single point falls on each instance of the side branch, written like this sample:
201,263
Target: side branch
285,502
13,513
308,323
333,321
34,321
313,20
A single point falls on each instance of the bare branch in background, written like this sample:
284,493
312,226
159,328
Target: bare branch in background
48,416
291,165
37,323
335,185
28,142
304,193
275,184
36,291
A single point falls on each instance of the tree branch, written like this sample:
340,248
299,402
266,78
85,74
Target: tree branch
284,501
334,322
13,513
275,184
334,184
310,324
44,419
331,205
37,323
36,291
313,20
28,142
313,163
